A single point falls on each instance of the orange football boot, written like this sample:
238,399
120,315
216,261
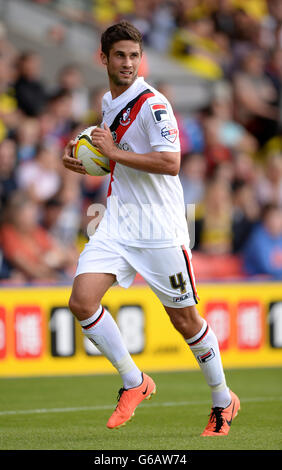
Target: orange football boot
221,418
129,399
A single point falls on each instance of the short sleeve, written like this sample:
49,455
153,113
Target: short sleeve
160,125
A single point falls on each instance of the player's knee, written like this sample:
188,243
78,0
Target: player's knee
73,305
186,321
82,308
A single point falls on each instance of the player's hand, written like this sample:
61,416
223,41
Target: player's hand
70,162
103,140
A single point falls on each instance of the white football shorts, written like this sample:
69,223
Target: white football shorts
168,271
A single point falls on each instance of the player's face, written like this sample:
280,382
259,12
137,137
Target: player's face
122,64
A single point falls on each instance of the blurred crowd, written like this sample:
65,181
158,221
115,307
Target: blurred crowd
231,150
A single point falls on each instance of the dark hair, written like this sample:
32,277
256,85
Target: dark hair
59,94
268,208
123,31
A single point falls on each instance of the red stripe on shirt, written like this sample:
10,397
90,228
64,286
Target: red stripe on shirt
121,129
112,167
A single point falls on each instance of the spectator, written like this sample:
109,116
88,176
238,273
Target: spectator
70,79
27,137
47,127
28,247
246,33
140,15
61,215
271,30
5,270
274,70
245,169
223,17
162,25
263,250
106,12
224,130
193,178
62,222
195,47
93,116
30,91
8,159
60,118
269,185
231,152
8,51
215,151
8,105
224,171
56,34
256,98
40,177
194,133
245,214
213,227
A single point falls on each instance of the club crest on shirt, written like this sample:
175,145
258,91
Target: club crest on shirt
125,119
169,133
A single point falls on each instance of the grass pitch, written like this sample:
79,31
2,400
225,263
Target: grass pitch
70,413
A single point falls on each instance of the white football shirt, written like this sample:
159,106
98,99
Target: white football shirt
143,209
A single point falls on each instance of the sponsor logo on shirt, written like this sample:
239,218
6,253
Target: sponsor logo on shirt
124,147
160,112
169,133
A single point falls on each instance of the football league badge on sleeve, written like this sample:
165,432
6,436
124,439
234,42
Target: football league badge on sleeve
169,133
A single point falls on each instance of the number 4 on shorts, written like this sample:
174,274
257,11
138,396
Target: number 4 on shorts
177,282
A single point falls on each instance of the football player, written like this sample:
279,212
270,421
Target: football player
144,230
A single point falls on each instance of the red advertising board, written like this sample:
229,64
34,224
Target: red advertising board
3,333
28,331
249,325
40,336
218,316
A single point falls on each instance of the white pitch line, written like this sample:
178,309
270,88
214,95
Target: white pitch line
110,407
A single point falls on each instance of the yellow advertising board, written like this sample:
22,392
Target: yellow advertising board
39,336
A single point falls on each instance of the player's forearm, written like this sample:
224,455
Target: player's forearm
166,163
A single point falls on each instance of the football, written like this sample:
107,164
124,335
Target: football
94,162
